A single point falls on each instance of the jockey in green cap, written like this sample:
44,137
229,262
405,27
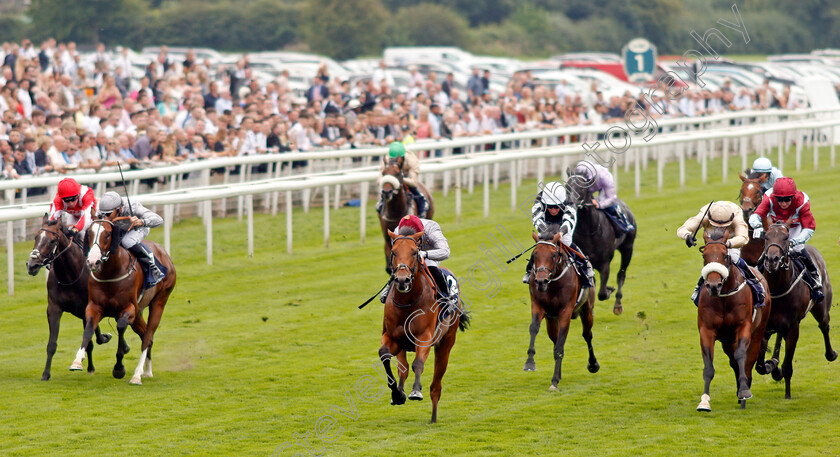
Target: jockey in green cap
410,166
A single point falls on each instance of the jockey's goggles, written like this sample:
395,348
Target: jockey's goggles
552,207
70,199
784,199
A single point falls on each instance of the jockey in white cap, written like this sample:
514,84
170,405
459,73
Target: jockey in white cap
142,221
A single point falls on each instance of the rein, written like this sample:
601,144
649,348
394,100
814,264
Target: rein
47,261
559,256
130,270
792,285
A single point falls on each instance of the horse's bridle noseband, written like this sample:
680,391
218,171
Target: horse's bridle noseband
418,260
785,250
553,269
106,254
46,261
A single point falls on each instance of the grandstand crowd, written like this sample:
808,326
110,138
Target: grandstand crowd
65,110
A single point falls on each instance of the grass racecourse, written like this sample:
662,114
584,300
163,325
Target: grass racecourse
253,353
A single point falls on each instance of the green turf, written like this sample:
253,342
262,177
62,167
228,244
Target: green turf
252,351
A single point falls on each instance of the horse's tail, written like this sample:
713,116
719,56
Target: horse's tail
464,321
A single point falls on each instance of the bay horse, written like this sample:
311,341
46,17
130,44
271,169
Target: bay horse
67,283
115,290
597,238
750,197
554,289
791,301
397,202
726,313
413,320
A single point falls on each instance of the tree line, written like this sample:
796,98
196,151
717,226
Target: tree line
352,28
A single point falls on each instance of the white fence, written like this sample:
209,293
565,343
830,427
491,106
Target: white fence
469,168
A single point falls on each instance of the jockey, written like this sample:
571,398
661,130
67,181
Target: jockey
142,221
785,202
410,166
721,214
604,183
550,207
78,202
434,248
768,174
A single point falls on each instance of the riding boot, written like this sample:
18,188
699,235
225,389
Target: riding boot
746,270
695,296
147,259
812,277
625,222
420,201
527,278
384,295
588,273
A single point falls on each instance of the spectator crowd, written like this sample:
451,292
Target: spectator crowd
62,110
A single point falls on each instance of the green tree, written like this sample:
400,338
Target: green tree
427,24
79,20
476,11
344,28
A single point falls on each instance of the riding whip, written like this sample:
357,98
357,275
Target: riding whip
130,210
694,235
520,254
375,295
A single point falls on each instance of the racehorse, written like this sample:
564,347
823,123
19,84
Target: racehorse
115,290
416,321
726,313
750,197
597,238
67,283
791,301
554,291
398,202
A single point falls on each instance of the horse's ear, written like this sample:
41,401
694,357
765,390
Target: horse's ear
706,236
557,237
788,222
568,172
392,235
535,236
743,178
417,237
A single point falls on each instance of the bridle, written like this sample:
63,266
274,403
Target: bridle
725,255
551,271
418,260
741,197
784,249
106,254
46,261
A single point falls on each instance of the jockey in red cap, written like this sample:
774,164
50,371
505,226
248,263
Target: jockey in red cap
75,200
785,202
434,248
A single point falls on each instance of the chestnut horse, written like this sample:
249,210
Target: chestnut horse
750,197
115,290
413,321
791,301
726,313
398,202
554,288
67,283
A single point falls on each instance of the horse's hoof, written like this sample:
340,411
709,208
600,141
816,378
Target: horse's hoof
119,372
530,366
761,368
618,309
91,371
744,395
831,356
415,395
553,388
76,366
593,367
777,374
45,377
705,403
606,296
397,400
106,337
135,380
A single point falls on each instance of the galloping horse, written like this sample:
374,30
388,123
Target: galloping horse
726,313
554,291
750,197
115,290
791,301
414,322
67,283
597,238
398,202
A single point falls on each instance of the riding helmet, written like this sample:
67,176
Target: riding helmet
69,187
762,165
784,187
396,149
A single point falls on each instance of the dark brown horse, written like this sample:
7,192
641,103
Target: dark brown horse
67,283
115,290
791,301
554,292
726,313
598,239
397,202
750,197
413,321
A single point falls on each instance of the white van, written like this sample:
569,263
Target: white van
397,56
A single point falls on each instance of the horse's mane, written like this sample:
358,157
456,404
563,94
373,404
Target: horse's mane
548,233
752,174
407,231
716,233
50,223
